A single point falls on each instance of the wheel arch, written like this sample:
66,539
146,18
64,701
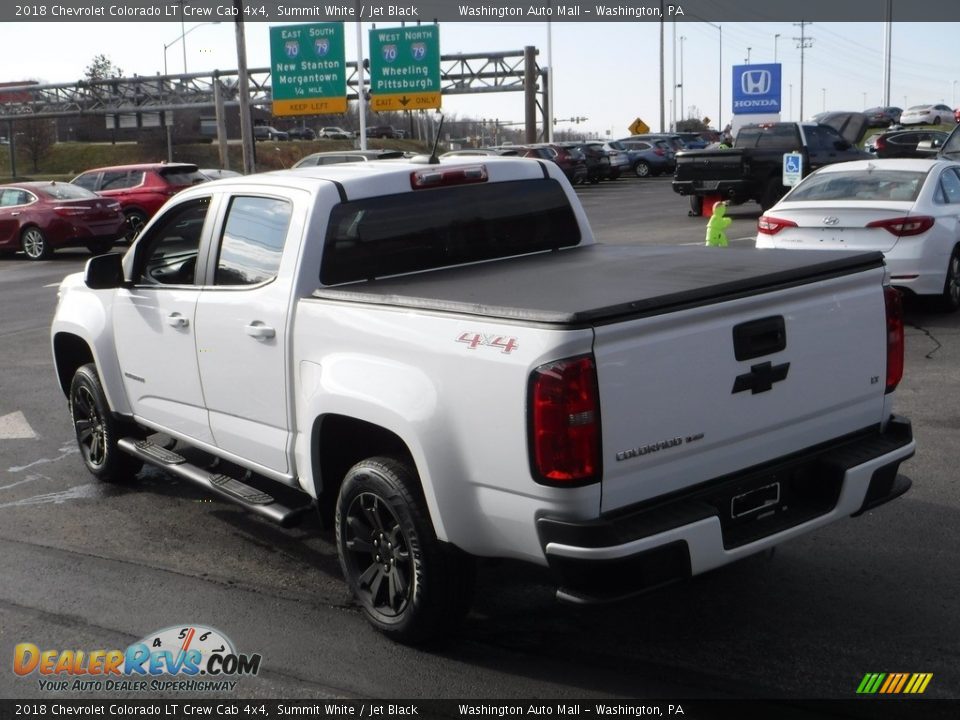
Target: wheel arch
70,352
82,330
338,442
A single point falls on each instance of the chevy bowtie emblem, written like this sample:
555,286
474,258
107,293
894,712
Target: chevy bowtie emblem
831,220
761,377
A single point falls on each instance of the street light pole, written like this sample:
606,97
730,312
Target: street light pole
720,77
775,38
180,38
682,106
183,34
748,55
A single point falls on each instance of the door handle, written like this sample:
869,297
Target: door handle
260,331
177,320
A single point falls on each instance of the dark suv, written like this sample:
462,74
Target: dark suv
140,189
267,132
383,131
569,159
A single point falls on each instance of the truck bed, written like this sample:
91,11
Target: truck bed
598,284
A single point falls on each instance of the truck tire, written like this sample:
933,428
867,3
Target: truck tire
135,222
696,206
950,299
411,587
772,192
98,430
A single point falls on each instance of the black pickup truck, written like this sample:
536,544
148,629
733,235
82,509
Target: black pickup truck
753,168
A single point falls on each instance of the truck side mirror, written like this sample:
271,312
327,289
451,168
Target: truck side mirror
104,272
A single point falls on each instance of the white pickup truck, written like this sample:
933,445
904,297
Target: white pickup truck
440,358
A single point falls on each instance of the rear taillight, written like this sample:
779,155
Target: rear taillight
904,226
769,225
71,210
894,305
564,422
880,143
659,151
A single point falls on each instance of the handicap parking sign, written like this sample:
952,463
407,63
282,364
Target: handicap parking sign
792,169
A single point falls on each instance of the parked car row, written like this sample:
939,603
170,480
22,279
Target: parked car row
103,206
595,160
268,132
96,209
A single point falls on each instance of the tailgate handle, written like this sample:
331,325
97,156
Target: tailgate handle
759,337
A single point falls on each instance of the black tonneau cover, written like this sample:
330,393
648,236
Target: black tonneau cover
602,283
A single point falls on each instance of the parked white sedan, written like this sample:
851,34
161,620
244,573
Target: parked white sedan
926,115
907,209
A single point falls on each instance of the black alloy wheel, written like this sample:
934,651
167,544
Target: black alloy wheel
410,586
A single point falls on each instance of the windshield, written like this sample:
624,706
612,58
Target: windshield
898,185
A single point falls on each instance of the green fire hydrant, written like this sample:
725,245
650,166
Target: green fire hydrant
717,225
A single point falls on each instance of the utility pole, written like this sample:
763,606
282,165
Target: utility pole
803,42
243,87
682,106
663,127
887,42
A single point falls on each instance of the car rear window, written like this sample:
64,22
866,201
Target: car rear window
900,185
441,227
65,191
181,176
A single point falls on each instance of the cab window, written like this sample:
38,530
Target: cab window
252,241
167,255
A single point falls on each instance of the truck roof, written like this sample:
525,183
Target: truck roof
357,180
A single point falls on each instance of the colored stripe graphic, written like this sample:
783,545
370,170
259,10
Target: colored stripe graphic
894,683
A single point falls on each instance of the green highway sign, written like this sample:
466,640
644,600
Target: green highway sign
405,68
308,71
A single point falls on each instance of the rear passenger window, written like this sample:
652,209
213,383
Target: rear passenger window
950,185
779,136
113,180
252,241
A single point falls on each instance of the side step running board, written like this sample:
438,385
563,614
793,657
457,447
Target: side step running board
229,488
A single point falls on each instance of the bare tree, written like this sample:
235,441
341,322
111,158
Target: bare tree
35,137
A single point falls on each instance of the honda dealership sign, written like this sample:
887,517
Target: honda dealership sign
756,89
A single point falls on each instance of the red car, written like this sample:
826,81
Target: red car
140,189
39,217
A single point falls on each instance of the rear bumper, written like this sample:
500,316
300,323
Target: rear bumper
737,190
705,528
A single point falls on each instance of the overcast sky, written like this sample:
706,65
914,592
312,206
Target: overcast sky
607,72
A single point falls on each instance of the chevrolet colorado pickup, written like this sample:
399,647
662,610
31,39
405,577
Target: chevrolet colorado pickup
753,168
440,358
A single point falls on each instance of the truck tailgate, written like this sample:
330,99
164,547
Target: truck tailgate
702,392
710,165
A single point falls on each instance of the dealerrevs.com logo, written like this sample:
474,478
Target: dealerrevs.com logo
188,658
